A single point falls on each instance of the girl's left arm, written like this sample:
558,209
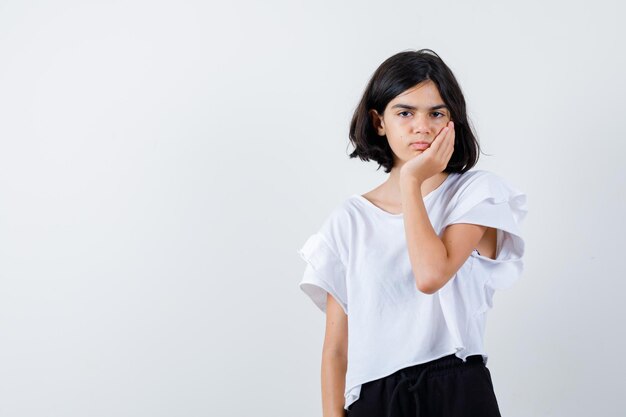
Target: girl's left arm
434,261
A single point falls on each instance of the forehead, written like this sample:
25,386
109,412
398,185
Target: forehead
425,92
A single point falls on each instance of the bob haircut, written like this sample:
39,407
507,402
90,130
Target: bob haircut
393,77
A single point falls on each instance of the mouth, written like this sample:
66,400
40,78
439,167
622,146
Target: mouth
419,145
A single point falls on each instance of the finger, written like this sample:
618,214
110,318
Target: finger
448,137
440,144
451,140
451,149
450,133
451,136
447,142
439,139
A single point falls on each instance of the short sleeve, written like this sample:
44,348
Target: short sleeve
324,273
489,200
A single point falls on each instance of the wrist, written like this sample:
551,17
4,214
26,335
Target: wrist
409,175
409,182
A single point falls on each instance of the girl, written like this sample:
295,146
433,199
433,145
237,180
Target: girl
406,272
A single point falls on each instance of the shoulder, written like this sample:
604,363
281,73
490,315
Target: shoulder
480,195
485,184
338,226
339,216
476,176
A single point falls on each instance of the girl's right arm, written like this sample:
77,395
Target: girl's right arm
334,360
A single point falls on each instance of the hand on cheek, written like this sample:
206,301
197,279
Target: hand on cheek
434,159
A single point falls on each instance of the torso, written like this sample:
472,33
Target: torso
377,196
486,246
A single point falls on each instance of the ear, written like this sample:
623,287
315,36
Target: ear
377,122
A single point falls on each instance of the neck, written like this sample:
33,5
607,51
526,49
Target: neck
392,185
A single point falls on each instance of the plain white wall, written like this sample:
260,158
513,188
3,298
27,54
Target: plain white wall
161,162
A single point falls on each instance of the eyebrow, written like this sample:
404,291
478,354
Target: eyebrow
406,106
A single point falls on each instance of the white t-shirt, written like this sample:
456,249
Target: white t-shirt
359,256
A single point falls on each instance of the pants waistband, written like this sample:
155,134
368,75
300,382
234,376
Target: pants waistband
412,377
446,362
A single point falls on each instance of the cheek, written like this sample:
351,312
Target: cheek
397,125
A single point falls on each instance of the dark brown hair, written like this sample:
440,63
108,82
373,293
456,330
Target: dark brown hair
393,77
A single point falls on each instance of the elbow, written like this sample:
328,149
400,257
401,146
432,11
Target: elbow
427,286
431,280
426,289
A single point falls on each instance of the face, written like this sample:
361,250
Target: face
418,114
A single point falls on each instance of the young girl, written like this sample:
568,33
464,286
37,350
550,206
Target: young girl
406,272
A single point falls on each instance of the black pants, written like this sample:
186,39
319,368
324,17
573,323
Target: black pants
445,387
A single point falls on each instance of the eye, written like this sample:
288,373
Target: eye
436,112
403,113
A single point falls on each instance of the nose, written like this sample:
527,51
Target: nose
421,124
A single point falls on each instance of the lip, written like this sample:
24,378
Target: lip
419,145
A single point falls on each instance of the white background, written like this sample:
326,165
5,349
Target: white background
161,162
